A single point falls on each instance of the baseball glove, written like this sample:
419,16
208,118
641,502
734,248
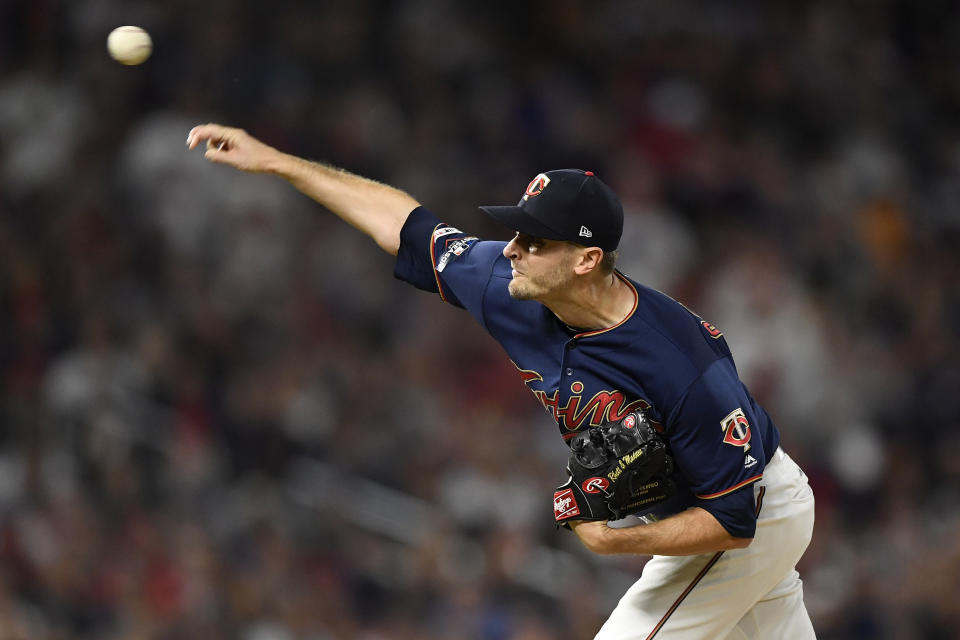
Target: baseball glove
616,469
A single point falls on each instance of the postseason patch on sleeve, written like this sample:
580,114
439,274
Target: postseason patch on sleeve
454,249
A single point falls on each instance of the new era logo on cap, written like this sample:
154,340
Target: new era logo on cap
566,204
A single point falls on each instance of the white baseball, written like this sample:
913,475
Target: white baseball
129,45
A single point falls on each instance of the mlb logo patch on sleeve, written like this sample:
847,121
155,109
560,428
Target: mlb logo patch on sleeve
439,232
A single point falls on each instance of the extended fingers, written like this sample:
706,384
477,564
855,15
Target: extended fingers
215,133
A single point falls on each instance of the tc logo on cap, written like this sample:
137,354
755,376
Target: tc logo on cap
536,186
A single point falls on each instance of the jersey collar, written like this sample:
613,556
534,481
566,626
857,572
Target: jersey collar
636,302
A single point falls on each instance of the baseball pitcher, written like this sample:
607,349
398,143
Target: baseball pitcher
664,438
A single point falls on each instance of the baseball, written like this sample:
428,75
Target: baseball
129,45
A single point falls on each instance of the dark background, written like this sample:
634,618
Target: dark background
222,418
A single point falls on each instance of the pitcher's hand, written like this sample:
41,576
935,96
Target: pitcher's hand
234,147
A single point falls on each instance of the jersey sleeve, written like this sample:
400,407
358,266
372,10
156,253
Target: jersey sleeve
717,446
413,257
436,257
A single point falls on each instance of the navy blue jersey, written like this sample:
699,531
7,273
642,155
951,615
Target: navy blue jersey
662,357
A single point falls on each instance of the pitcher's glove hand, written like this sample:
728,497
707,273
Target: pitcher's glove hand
616,469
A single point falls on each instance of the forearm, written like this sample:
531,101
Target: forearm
690,532
376,209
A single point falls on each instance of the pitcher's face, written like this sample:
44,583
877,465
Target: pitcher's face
541,268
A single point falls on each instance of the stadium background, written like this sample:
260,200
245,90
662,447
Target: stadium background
222,418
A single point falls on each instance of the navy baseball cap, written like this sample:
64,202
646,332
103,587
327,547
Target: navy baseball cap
566,204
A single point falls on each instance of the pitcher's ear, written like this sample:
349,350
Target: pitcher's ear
588,260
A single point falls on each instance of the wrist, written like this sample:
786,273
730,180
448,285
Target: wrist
281,164
595,535
609,540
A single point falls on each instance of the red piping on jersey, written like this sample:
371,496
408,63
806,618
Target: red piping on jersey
636,303
699,577
710,496
433,261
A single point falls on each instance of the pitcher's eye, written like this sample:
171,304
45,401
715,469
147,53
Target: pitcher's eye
528,242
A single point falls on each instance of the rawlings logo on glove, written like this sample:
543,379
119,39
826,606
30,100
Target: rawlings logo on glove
616,469
564,506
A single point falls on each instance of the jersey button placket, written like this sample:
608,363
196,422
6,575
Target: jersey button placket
571,345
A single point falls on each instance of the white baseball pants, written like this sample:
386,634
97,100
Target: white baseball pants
742,594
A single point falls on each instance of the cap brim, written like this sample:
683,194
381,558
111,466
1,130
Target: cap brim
515,218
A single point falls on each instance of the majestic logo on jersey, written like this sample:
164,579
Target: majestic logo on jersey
712,330
564,506
595,485
736,429
536,186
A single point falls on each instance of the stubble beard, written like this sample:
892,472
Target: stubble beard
542,286
519,291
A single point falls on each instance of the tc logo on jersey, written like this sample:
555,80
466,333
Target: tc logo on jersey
564,506
736,429
536,186
595,485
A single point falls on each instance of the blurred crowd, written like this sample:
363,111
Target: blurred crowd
223,418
